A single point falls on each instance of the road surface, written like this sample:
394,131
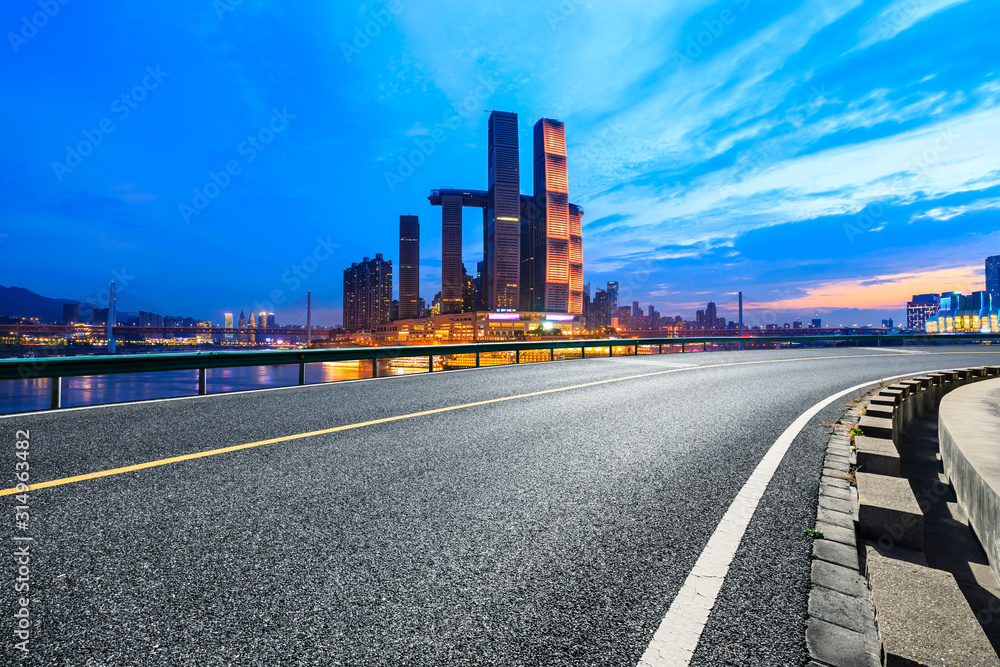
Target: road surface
539,514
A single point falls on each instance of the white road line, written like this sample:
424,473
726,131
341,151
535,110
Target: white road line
893,350
675,641
640,361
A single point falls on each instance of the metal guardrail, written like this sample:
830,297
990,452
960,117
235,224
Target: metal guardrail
57,368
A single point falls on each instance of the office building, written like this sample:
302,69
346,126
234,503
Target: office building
409,263
920,309
575,259
367,294
229,325
501,235
993,277
613,295
71,313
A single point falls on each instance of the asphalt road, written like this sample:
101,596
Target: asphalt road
549,529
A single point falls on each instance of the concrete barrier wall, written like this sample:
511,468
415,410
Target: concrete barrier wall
969,434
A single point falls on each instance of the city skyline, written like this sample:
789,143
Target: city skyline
789,179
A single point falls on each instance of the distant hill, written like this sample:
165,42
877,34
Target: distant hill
20,302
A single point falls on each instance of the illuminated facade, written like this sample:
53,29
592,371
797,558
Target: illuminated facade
958,313
229,324
501,234
551,218
575,259
922,308
409,266
480,326
367,294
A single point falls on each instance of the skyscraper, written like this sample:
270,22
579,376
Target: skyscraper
551,217
993,277
613,296
501,233
367,294
409,265
229,324
71,313
575,259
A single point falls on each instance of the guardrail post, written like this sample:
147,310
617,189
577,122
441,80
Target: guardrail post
517,356
477,360
374,368
302,373
611,350
55,393
202,382
636,354
430,363
583,352
661,349
552,354
682,347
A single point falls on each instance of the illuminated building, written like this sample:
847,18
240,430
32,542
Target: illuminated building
229,325
409,264
575,259
551,219
613,296
271,322
367,294
479,326
501,235
920,309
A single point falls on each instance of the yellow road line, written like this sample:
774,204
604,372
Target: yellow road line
423,413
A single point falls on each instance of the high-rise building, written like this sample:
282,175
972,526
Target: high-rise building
71,313
501,233
920,309
601,316
636,310
468,292
551,217
367,294
711,316
451,252
613,296
575,259
480,289
993,277
528,273
229,324
409,263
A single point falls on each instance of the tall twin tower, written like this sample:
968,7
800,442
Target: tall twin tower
532,245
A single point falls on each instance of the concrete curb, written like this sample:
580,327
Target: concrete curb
884,511
967,432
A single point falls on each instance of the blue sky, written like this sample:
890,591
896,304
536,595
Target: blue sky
820,155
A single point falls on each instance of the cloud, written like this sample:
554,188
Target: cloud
945,213
899,16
